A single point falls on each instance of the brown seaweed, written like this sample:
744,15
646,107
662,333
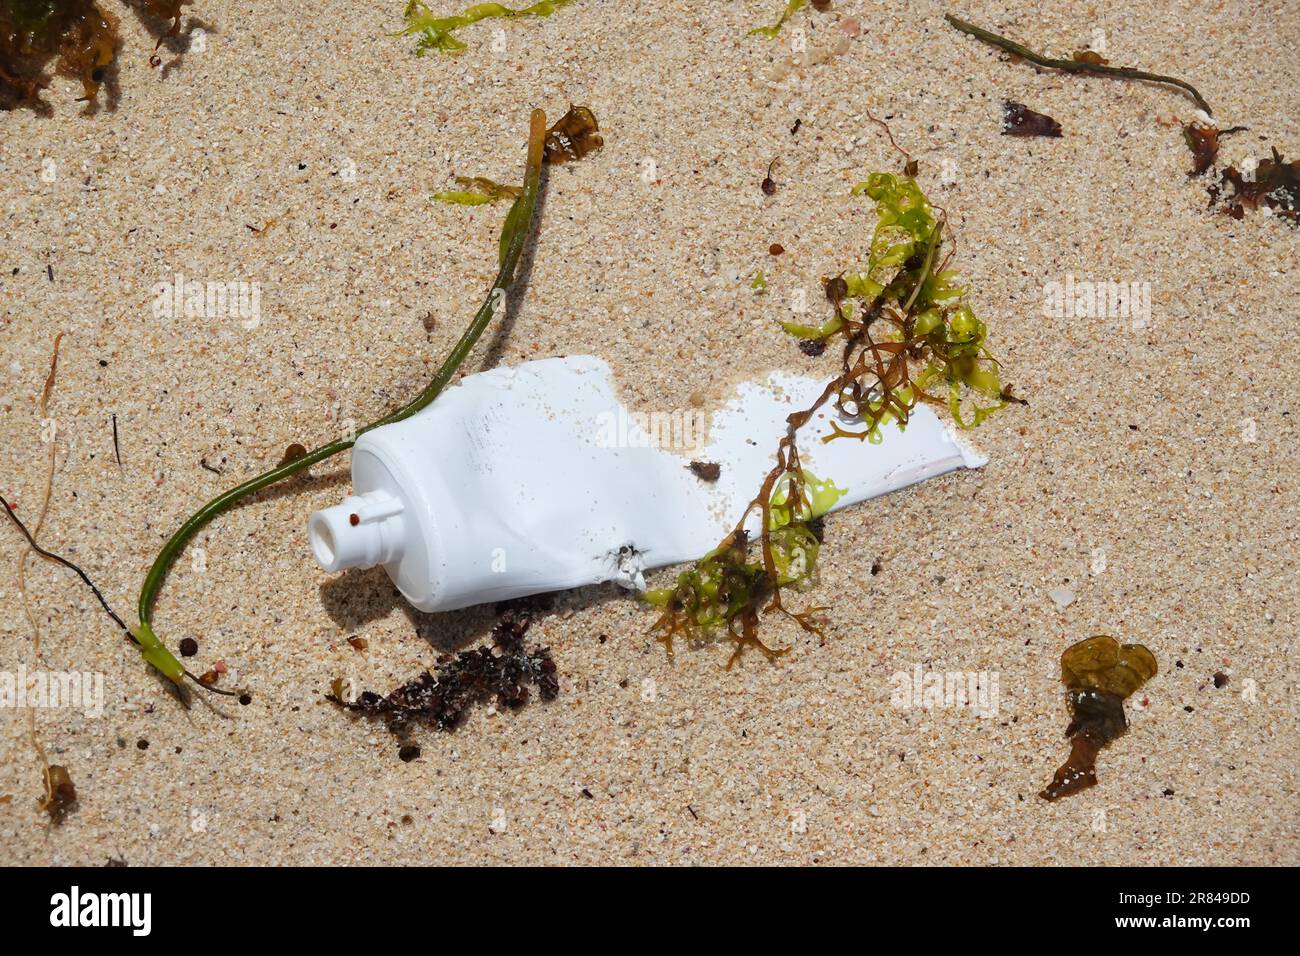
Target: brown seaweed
1099,674
80,38
573,136
1203,141
1276,185
1094,65
1019,120
907,331
77,35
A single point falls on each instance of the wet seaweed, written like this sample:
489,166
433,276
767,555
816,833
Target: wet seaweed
1019,120
60,796
570,138
1203,141
1275,185
77,35
1099,674
476,191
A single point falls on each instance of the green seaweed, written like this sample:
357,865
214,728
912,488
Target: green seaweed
902,311
571,137
514,234
1079,63
477,192
816,497
791,8
923,311
435,33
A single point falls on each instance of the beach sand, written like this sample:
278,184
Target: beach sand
1152,474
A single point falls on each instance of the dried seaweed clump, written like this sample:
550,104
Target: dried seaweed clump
80,37
906,329
1099,674
435,33
469,678
1276,184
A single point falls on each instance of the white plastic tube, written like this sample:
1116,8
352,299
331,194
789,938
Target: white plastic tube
535,478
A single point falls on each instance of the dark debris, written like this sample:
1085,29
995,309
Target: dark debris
463,681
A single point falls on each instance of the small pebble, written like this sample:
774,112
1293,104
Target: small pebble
1063,597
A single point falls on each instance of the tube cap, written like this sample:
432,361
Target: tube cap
363,531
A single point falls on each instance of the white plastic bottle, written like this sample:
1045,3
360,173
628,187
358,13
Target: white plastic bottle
534,478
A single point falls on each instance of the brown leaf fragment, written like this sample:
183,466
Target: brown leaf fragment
1019,120
706,470
359,644
574,135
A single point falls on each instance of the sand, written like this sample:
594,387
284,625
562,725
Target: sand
1152,475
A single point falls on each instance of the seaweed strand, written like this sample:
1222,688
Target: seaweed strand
1075,66
514,234
925,322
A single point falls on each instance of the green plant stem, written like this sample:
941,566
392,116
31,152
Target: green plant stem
1075,66
514,235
